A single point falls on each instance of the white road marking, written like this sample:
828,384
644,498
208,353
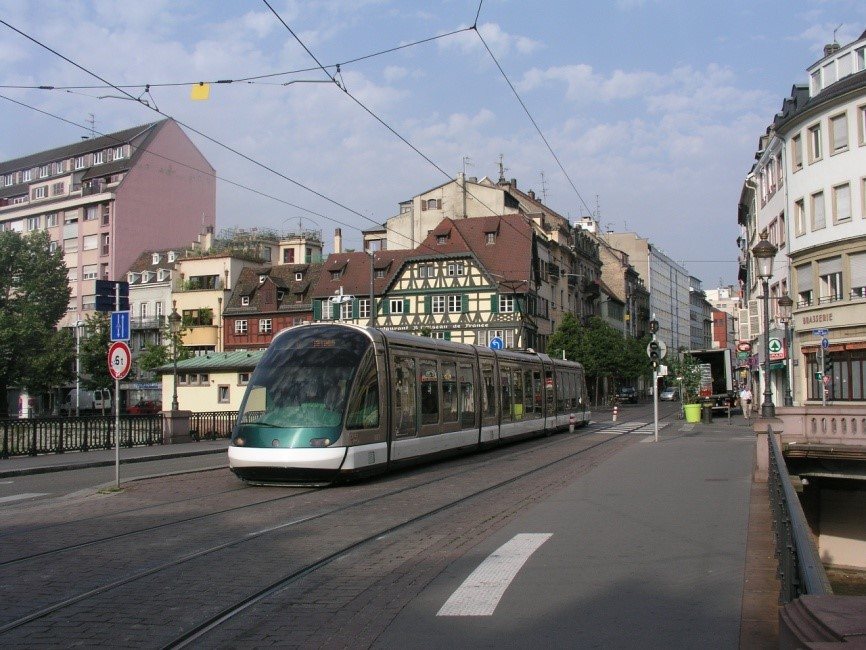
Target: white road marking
19,497
481,591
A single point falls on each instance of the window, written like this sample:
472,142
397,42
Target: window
58,188
380,273
240,327
818,217
426,271
455,269
79,162
346,310
33,223
143,310
106,240
429,375
363,408
336,275
223,394
52,246
431,204
841,203
449,392
441,336
27,175
442,239
90,272
118,152
395,306
91,212
157,308
506,303
438,304
783,233
72,274
245,301
70,245
455,304
405,409
44,171
860,59
39,192
830,279
815,82
829,73
9,180
799,217
265,326
857,262
98,157
288,256
299,277
51,219
490,237
815,143
364,308
90,242
280,295
59,166
839,132
243,378
154,259
861,124
171,256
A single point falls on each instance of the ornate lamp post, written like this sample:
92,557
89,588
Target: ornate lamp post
174,324
764,253
785,305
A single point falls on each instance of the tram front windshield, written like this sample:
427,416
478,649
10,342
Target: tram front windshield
304,378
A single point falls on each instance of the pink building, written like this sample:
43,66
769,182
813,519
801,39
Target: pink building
106,199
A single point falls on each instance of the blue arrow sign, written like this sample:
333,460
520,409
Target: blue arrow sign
825,343
496,343
120,326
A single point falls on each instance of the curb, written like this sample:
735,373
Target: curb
47,469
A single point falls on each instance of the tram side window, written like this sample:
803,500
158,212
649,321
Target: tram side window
505,382
549,392
517,389
363,410
537,393
529,395
467,396
449,392
488,395
429,392
570,398
560,392
404,396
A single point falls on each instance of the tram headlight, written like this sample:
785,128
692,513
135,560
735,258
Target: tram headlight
239,441
320,442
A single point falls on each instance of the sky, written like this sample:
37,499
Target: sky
649,111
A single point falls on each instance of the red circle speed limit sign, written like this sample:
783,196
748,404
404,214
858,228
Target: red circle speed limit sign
119,359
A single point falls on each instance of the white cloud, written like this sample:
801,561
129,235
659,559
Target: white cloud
500,42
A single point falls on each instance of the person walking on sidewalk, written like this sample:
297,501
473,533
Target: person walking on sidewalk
746,401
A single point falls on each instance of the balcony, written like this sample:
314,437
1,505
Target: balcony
147,322
201,335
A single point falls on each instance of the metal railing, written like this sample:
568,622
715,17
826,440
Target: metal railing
800,570
212,425
55,435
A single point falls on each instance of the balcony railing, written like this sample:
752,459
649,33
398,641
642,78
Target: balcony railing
147,322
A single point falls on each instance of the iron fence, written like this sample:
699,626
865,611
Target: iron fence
212,425
800,570
55,435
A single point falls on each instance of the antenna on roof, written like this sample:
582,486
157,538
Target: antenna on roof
543,187
502,170
92,123
836,30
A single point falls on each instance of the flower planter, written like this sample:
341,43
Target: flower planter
692,412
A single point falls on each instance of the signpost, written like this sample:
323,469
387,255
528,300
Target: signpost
119,363
496,343
120,326
656,350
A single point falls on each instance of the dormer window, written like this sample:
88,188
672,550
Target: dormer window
245,301
299,276
380,273
490,237
262,278
441,239
171,256
145,276
336,275
118,153
280,295
155,258
131,277
98,157
162,275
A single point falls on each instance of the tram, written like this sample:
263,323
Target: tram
330,401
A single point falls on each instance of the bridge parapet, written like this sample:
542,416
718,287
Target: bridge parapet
823,425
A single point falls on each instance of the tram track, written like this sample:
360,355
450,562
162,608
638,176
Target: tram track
232,611
53,608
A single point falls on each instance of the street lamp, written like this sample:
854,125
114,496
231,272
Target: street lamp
764,253
174,323
785,305
78,325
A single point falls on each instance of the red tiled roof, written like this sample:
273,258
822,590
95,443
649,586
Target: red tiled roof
355,272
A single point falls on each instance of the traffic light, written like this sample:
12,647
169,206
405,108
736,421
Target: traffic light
655,354
828,365
654,326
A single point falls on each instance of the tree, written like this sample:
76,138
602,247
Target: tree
34,295
686,370
94,352
160,354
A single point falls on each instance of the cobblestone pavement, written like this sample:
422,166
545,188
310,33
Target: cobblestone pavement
140,567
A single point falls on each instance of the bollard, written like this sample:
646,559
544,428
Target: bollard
571,423
615,412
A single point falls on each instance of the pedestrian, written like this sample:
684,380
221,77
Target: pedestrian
746,401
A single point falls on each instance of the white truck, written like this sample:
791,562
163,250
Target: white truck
89,401
717,382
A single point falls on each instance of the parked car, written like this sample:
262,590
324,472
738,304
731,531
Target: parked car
669,394
627,394
86,401
145,406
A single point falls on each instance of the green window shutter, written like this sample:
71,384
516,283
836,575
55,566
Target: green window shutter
335,312
521,304
317,310
447,336
406,306
386,309
494,303
464,303
355,308
428,304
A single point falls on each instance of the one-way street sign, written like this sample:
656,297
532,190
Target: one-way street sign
120,326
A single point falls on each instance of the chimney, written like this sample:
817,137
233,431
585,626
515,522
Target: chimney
513,183
338,240
531,194
830,48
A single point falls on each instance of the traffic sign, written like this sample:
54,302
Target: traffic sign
120,326
825,343
820,332
496,343
744,346
119,360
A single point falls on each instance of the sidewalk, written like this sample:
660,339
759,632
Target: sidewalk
24,465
